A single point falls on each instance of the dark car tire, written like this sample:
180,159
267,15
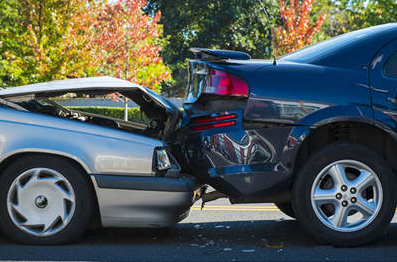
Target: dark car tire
338,157
286,208
40,175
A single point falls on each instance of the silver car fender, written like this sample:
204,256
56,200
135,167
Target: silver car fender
100,150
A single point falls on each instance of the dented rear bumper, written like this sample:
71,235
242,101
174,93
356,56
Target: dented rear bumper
243,163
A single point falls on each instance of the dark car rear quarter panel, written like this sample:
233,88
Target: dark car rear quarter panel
288,92
236,161
254,161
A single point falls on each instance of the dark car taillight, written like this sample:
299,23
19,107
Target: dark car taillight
211,126
214,119
222,83
214,122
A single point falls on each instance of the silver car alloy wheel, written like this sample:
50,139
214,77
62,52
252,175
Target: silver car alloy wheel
41,202
346,195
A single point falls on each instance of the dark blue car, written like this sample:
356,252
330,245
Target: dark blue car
313,132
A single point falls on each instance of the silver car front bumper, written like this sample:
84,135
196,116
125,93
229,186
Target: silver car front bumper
128,201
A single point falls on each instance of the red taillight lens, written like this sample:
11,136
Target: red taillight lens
214,119
213,122
222,83
211,126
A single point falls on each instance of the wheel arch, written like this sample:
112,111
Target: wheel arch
5,160
355,131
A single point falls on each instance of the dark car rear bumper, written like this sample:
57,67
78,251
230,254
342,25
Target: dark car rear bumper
252,180
242,162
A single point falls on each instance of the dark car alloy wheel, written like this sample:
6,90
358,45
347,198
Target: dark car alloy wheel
345,195
354,202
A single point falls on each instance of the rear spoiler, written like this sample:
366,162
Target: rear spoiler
216,54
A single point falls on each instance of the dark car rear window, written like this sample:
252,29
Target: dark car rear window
196,80
316,51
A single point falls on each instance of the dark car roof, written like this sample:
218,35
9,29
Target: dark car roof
351,50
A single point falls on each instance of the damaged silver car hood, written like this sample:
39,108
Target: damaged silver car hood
71,85
83,84
105,83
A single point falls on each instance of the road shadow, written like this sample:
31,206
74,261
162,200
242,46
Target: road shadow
218,241
247,232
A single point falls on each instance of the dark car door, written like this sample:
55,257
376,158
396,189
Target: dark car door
383,83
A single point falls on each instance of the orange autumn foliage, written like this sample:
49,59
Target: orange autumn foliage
95,37
297,29
128,43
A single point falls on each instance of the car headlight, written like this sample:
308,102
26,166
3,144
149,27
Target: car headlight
163,161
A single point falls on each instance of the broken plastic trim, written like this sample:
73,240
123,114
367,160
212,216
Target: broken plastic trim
12,105
210,196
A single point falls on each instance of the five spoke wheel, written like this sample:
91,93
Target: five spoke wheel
346,195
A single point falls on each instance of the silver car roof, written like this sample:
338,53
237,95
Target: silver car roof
71,85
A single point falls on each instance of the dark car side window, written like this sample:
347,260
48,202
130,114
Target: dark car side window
390,68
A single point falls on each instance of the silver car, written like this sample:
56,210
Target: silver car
63,170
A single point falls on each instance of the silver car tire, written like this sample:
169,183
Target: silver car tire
344,195
44,200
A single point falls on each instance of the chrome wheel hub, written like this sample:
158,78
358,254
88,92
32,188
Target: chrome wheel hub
41,202
346,195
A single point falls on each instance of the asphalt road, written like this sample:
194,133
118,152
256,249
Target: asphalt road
221,232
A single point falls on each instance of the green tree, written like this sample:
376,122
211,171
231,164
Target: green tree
43,40
15,56
35,39
243,25
373,12
349,15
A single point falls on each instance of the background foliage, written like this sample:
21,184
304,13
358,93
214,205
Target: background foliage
296,29
32,35
134,114
348,15
146,41
128,42
235,24
42,40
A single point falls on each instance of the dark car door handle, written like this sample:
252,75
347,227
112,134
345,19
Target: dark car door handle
392,100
